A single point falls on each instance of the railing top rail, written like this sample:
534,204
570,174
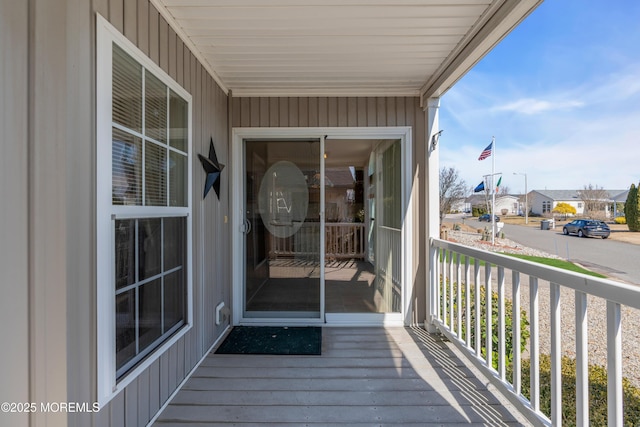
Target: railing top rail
621,293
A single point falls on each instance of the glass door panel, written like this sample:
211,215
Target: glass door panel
388,229
282,229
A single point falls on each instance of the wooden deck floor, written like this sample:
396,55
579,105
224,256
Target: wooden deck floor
365,376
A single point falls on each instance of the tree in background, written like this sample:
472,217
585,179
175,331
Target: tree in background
594,198
564,209
452,189
632,209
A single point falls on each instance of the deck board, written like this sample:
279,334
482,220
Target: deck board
365,376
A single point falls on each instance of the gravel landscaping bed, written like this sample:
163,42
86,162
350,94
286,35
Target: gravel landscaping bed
597,330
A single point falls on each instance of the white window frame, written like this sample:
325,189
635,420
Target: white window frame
106,214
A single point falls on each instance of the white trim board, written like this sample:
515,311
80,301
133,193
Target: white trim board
402,133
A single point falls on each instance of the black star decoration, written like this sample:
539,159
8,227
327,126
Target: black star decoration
213,170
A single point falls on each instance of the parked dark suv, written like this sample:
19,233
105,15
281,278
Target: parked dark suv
487,217
587,228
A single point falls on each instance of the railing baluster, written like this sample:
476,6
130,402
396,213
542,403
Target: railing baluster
451,278
467,296
477,309
556,356
459,296
436,278
534,344
501,326
488,313
582,361
515,331
614,364
444,287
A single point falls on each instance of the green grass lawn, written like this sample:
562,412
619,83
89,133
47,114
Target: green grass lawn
553,262
559,263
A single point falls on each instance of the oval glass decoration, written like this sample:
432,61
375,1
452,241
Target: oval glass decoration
283,200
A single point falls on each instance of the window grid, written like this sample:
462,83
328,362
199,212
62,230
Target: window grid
164,177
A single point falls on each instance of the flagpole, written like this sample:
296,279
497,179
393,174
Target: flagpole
493,198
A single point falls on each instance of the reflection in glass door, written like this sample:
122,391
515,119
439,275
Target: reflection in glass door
363,228
282,229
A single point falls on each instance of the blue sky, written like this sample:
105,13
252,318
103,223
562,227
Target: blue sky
561,95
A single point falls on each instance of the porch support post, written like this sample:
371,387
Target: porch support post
432,211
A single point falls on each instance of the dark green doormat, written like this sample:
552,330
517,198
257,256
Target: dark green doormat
272,340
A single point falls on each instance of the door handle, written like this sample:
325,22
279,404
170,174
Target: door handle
246,226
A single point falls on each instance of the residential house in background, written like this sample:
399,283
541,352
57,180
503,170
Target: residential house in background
542,202
506,204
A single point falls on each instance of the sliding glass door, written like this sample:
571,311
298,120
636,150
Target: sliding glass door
322,230
282,229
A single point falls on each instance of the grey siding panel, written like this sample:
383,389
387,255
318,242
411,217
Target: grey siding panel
163,40
14,113
342,112
143,26
352,112
117,410
293,112
50,201
303,112
143,398
274,111
171,45
323,112
381,109
130,18
164,378
116,14
154,43
180,62
131,403
154,387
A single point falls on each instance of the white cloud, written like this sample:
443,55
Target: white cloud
536,106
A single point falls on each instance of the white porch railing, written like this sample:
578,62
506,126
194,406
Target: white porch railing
457,277
342,240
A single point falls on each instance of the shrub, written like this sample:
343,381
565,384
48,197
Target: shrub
564,209
597,392
508,306
632,209
620,220
478,210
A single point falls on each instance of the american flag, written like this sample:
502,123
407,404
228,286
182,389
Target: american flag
486,152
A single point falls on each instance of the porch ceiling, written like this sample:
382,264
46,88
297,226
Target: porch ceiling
341,47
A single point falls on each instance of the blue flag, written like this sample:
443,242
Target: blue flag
479,188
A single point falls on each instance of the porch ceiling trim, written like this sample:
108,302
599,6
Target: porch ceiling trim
341,48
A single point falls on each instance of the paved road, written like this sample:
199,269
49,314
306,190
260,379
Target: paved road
615,259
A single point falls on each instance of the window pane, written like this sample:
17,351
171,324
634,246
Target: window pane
174,242
155,175
174,310
127,90
155,108
150,248
125,253
391,187
178,125
125,327
126,169
177,179
150,309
